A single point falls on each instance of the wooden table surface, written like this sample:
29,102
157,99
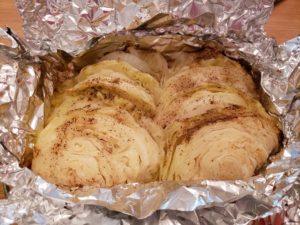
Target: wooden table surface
284,23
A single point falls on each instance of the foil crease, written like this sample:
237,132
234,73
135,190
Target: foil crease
28,73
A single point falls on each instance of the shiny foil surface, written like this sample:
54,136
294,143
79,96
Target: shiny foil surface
87,29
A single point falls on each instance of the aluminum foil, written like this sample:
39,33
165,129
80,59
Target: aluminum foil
28,72
69,25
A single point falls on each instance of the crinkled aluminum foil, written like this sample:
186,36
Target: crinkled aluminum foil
69,25
26,82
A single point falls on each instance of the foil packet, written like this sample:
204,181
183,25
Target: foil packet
63,36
